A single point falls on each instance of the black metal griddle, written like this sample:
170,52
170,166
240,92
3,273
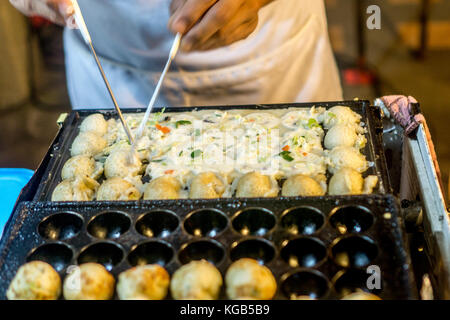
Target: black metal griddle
313,245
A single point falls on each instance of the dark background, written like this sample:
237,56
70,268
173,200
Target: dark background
393,60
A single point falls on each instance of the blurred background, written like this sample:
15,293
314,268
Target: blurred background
410,55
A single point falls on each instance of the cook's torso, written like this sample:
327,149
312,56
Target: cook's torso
289,44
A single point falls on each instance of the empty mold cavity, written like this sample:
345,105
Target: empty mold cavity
109,225
205,223
258,249
351,219
302,220
354,251
158,224
305,284
352,280
60,226
303,252
58,255
151,252
254,221
208,250
108,254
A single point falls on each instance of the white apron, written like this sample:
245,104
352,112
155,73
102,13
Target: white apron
288,58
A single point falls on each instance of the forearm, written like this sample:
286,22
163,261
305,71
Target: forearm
57,11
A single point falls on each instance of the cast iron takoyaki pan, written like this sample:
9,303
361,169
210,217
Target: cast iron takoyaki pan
319,246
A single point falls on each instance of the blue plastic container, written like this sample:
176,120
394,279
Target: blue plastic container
11,183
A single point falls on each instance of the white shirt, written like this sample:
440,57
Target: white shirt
288,58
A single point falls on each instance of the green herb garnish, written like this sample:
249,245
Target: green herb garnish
286,155
313,123
196,153
197,132
181,153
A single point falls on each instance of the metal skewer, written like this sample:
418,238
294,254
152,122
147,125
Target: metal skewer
87,38
173,53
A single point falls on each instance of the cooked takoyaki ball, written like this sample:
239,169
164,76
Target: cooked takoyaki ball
115,189
147,282
254,184
95,123
163,188
340,115
301,185
346,181
75,189
340,135
90,281
197,280
35,280
206,185
346,157
361,295
87,143
247,278
122,163
81,166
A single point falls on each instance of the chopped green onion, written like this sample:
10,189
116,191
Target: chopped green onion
313,123
286,155
196,153
197,132
182,123
181,153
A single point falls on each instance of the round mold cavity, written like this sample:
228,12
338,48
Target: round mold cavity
60,226
57,254
258,249
254,221
151,252
158,224
205,223
209,250
302,220
305,283
351,219
303,252
354,251
108,254
109,225
348,281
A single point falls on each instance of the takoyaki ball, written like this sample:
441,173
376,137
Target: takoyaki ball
340,115
254,184
90,281
163,188
94,123
361,295
36,280
206,185
340,135
247,278
346,181
346,157
122,163
75,189
77,166
301,185
369,184
147,282
87,143
197,280
115,189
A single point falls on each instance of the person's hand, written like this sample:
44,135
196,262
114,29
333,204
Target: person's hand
210,24
58,11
